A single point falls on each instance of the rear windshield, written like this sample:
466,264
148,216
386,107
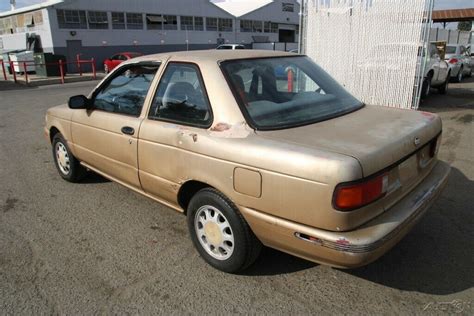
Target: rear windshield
284,92
450,49
133,55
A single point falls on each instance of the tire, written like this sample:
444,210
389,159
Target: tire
426,86
460,75
67,165
106,69
443,89
220,233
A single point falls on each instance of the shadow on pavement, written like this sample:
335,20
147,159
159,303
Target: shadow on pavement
93,177
274,262
10,85
436,257
460,95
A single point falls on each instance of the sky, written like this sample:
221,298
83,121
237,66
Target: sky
439,4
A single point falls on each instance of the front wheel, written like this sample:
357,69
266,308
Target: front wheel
68,166
220,233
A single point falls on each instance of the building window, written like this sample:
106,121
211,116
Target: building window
154,22
98,20
187,23
245,25
211,24
257,26
134,21
71,19
225,25
287,7
274,28
198,23
170,22
118,20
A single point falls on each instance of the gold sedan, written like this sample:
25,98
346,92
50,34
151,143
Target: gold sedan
256,147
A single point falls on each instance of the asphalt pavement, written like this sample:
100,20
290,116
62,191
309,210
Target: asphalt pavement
99,248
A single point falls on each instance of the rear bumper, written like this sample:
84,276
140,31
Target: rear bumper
352,248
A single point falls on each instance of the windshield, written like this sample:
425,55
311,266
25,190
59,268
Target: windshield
450,49
283,92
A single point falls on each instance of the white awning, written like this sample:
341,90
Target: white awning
155,18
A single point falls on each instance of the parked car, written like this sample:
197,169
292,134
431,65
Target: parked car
459,61
231,46
437,72
117,59
470,53
304,168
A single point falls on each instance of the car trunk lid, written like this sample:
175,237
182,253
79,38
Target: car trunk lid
378,137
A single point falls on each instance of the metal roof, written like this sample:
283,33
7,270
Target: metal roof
456,15
239,8
30,8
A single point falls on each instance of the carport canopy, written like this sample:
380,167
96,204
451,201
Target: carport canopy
456,15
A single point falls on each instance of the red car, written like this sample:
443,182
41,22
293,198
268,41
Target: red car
115,60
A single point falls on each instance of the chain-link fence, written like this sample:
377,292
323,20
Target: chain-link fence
373,47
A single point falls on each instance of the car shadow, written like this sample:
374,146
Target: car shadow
93,177
436,257
274,262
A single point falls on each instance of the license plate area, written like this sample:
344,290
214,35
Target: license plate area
408,170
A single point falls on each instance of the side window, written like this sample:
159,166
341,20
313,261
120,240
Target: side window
122,57
115,57
181,97
127,90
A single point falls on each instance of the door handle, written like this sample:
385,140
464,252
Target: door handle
128,130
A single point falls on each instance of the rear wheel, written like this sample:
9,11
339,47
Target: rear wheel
460,75
426,86
443,89
220,233
68,166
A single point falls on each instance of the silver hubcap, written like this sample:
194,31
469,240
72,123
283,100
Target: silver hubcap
62,157
214,232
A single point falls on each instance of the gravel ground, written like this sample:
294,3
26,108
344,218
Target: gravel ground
97,247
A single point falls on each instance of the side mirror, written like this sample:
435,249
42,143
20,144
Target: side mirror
78,102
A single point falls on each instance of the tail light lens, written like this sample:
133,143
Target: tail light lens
453,61
351,196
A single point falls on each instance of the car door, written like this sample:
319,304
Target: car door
105,136
179,115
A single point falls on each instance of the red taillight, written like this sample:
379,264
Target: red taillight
453,61
351,196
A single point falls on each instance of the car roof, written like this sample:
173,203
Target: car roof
213,55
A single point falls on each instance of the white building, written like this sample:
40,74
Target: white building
100,28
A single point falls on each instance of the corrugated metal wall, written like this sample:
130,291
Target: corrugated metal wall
370,46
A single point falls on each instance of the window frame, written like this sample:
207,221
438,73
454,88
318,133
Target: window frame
150,116
212,26
118,25
93,21
68,17
241,103
117,70
133,25
202,25
184,19
169,26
